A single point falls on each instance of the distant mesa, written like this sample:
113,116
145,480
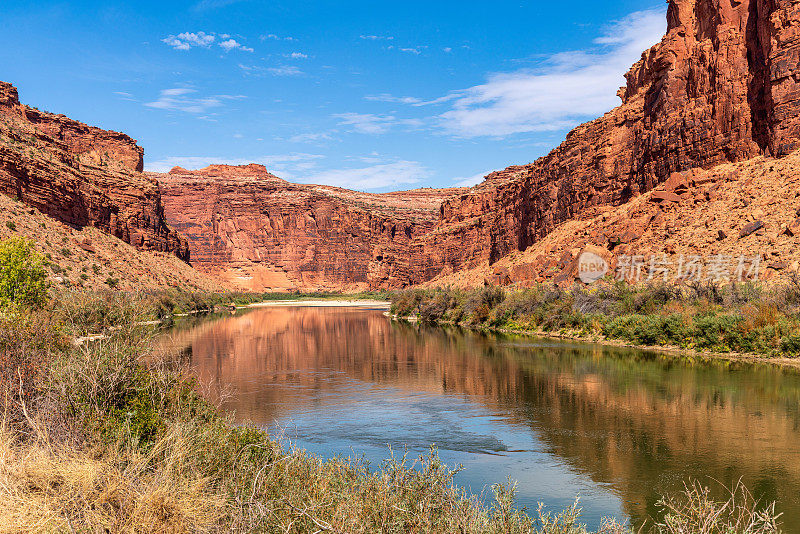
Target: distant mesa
220,170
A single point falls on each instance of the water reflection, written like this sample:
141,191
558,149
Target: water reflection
619,427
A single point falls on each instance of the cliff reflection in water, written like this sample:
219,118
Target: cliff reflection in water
637,423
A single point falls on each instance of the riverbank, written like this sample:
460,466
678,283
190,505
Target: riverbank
115,434
338,303
745,322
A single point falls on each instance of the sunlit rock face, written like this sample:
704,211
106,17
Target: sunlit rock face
260,232
81,175
720,87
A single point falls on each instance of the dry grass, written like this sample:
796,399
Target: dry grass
695,512
45,489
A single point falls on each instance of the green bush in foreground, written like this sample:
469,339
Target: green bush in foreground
23,278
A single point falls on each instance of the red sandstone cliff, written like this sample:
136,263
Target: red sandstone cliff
722,86
81,175
258,231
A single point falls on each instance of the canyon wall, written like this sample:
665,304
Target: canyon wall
723,85
260,232
81,175
720,87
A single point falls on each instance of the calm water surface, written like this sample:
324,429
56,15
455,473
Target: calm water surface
616,427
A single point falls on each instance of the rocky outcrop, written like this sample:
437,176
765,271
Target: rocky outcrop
81,175
748,209
260,232
722,86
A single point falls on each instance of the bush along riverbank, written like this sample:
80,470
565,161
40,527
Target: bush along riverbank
113,436
736,318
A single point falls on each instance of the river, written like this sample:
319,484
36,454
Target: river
616,427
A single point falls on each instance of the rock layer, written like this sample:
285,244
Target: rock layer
721,86
81,175
260,232
746,209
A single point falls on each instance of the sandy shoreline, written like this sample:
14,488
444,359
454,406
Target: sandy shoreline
323,304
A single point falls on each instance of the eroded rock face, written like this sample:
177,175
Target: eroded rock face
261,232
721,86
81,175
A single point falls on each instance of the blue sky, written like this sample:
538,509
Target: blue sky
369,95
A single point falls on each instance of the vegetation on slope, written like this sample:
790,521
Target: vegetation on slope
112,436
734,318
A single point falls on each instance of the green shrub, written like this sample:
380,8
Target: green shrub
719,333
23,279
11,225
434,309
791,344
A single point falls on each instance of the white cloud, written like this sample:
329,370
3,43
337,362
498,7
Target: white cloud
188,40
126,96
285,70
447,49
312,137
377,38
368,123
469,181
233,44
296,55
385,175
179,99
282,163
385,97
569,87
416,51
213,4
274,37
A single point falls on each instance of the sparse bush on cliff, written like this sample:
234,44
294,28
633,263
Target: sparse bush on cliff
23,279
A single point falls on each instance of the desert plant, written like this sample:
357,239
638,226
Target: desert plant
23,279
695,511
